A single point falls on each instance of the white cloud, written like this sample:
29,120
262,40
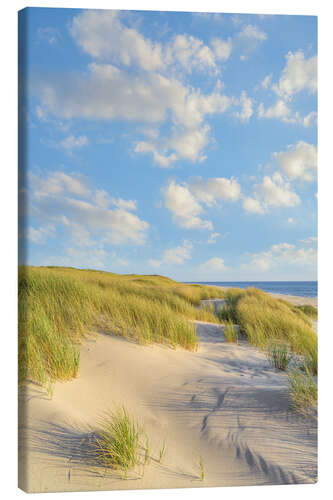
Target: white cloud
250,32
249,38
209,191
66,200
222,48
160,159
282,254
109,93
71,142
102,35
212,238
290,220
190,53
266,83
278,110
247,108
214,264
179,254
184,207
298,161
299,74
58,183
275,191
41,234
253,205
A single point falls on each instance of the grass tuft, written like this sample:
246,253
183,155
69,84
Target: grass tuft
279,355
303,391
118,441
230,332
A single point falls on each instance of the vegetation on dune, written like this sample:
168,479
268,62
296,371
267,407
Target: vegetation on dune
303,391
263,319
119,441
58,307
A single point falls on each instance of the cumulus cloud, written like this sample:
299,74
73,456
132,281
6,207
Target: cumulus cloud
253,205
280,110
246,104
214,264
109,93
184,200
102,35
179,254
298,74
298,161
184,207
282,254
273,191
250,32
154,93
222,48
249,38
67,201
209,191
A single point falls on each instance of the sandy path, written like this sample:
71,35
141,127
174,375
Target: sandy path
224,402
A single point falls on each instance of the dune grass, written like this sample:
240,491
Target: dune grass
230,332
279,355
264,319
303,391
119,440
309,310
59,307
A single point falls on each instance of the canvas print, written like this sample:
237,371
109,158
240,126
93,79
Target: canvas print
167,250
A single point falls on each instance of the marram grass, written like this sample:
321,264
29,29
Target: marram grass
263,319
58,307
119,440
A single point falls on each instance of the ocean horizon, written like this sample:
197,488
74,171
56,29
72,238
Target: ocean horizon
298,288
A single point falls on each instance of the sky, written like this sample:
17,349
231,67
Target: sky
169,143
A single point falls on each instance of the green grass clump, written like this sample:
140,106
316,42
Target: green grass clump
303,391
309,310
230,332
264,319
59,307
279,355
119,441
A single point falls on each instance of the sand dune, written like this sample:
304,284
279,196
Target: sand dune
223,402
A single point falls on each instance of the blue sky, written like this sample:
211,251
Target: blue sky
171,143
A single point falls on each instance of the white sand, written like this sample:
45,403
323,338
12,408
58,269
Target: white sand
224,402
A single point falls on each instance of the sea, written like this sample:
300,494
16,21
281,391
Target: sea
298,288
